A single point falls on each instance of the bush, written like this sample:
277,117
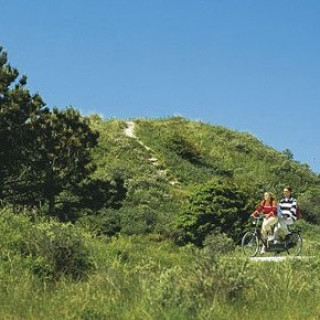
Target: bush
225,278
49,249
217,243
310,205
218,206
107,222
57,250
184,148
193,287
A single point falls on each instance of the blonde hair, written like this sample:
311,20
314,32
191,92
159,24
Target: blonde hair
271,195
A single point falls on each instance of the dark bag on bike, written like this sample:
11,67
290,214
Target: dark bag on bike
298,212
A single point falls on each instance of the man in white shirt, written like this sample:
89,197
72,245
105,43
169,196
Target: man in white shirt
288,213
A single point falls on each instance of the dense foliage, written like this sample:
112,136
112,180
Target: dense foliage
49,250
216,207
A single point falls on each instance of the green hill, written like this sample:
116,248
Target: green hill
164,160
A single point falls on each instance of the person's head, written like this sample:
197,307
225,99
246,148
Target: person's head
268,197
287,191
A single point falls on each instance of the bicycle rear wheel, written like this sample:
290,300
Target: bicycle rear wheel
250,244
294,243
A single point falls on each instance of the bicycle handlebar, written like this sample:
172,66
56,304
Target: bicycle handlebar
260,216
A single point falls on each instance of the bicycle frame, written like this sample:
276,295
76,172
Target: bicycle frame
253,240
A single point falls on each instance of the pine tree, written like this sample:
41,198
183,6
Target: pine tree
18,110
44,154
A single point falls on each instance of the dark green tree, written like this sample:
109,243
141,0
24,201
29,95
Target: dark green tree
45,155
18,110
288,154
61,159
217,206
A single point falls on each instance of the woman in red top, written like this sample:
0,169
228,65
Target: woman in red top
268,207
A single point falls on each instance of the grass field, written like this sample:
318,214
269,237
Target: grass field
140,277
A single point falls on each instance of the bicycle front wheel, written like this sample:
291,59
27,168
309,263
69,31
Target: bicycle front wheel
294,244
250,244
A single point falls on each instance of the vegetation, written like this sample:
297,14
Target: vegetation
139,277
96,224
217,207
163,183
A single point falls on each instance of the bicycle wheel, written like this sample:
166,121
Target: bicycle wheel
294,243
250,244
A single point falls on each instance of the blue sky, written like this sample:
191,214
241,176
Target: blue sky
248,65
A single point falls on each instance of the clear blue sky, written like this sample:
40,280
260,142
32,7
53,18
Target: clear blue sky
248,65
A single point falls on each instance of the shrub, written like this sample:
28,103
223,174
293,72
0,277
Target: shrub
49,249
57,250
310,205
218,206
217,243
225,278
184,148
107,222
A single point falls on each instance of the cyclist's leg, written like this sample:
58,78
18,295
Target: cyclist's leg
267,224
264,229
282,228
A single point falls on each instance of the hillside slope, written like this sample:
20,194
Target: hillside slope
162,160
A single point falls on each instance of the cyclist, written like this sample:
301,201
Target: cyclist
287,214
268,206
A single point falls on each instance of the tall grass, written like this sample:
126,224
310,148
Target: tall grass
139,277
145,277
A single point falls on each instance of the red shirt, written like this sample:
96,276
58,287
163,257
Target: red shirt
270,209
